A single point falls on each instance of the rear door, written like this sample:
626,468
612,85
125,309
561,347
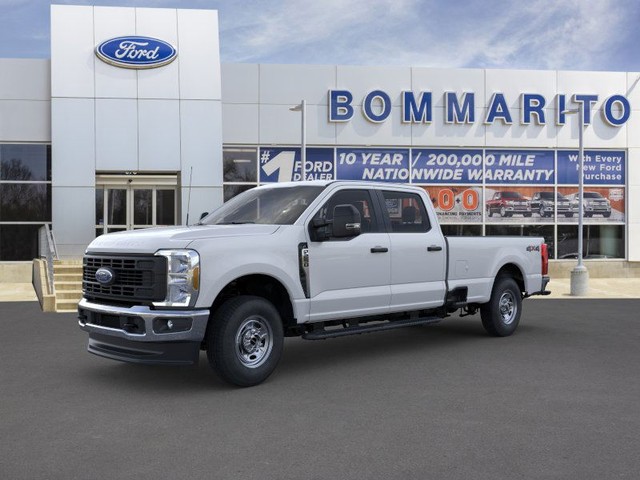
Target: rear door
417,252
350,277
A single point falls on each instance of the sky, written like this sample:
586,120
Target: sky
515,34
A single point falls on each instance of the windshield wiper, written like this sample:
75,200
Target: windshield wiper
233,223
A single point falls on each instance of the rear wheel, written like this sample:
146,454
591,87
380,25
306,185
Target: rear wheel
245,340
501,315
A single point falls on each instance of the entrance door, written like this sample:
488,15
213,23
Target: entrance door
126,202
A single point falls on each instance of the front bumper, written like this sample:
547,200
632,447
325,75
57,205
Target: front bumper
139,334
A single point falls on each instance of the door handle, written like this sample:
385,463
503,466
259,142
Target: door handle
379,250
434,248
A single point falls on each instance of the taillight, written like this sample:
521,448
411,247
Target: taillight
544,255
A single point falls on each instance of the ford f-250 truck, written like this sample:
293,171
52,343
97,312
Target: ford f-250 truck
311,259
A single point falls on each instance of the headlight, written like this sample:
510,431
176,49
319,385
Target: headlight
510,202
183,278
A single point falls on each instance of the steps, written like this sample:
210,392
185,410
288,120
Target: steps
67,281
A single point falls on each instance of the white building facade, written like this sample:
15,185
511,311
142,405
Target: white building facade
91,147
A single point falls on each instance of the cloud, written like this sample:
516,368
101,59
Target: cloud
538,34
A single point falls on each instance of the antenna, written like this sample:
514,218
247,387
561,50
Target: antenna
189,197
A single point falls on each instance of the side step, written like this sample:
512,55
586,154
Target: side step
321,334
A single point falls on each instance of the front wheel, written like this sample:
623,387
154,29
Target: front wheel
245,340
501,315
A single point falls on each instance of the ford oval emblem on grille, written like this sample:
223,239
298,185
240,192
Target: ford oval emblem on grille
136,52
105,276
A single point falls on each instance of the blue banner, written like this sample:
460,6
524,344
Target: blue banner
513,167
601,167
429,166
284,164
380,165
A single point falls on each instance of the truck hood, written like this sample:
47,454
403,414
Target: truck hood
150,240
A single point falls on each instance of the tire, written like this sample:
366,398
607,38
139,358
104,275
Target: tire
489,212
527,215
588,215
501,315
503,212
606,215
542,212
568,215
244,342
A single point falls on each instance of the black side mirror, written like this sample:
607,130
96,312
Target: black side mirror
203,214
346,221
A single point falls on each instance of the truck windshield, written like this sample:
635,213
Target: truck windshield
269,206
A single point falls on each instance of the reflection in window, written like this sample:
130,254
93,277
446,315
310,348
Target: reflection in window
231,191
165,207
25,202
599,241
26,163
142,206
117,206
545,231
99,206
461,230
239,164
18,242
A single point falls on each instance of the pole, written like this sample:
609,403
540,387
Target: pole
581,186
580,274
303,155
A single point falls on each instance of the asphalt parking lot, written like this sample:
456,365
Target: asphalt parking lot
559,399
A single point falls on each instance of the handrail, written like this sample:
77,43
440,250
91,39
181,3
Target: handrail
47,249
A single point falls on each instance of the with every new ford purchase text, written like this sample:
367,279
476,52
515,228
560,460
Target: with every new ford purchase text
316,259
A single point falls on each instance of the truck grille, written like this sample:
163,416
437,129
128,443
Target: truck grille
135,278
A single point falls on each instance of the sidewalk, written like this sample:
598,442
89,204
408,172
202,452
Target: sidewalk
17,292
560,288
598,288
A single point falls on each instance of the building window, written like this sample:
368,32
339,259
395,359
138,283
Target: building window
25,198
240,170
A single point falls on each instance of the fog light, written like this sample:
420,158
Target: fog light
171,325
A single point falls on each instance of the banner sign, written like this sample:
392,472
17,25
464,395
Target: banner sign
519,167
446,166
456,203
379,165
601,167
284,164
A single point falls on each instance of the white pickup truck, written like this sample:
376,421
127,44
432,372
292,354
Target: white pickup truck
311,259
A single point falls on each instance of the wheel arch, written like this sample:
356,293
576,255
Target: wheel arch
260,285
514,271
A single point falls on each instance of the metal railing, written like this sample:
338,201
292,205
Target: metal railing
47,250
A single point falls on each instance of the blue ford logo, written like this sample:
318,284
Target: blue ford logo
136,52
105,276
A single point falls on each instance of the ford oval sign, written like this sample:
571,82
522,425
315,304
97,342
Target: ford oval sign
136,52
105,276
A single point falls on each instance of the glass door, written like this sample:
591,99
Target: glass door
125,203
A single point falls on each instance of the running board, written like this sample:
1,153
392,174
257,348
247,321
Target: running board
358,329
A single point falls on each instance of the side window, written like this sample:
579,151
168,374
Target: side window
406,212
361,199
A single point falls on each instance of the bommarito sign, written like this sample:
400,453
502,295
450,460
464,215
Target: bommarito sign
459,108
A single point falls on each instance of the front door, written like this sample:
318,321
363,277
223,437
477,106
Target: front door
126,202
350,277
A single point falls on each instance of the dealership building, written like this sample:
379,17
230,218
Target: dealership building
134,123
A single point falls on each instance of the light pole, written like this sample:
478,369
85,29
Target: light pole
302,107
580,274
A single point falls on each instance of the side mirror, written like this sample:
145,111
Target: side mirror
346,221
203,214
319,230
